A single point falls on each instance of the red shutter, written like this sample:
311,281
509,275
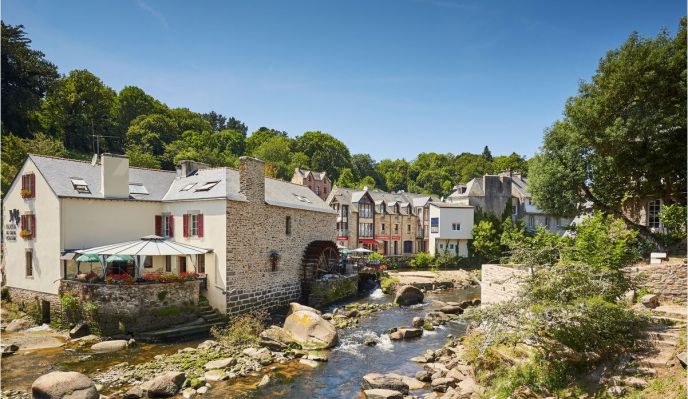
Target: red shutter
158,225
32,183
33,225
186,225
22,222
23,182
170,223
200,225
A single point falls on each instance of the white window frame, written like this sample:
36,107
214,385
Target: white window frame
193,224
654,207
165,225
456,226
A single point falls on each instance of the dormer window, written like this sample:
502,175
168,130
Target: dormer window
188,187
207,186
138,188
80,185
383,208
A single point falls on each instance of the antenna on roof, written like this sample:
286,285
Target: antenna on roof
94,160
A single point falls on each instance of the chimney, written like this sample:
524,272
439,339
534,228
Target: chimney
114,176
252,179
187,167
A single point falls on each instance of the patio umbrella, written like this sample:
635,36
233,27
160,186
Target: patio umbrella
345,251
88,258
361,250
119,258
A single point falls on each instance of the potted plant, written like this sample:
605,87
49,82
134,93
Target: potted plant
26,193
25,234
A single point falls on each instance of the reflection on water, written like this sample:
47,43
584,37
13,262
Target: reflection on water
351,359
21,369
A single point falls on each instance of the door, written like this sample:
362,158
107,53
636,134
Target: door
45,312
182,264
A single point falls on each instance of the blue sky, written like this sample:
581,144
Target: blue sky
391,78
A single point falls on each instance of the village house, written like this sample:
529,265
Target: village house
318,182
507,192
243,234
392,224
451,227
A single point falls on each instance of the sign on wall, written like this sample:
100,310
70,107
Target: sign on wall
11,227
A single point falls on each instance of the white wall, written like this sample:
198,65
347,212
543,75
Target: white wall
46,243
214,236
445,235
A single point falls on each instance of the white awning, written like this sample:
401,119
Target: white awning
147,246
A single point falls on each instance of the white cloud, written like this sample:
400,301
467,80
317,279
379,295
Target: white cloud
142,5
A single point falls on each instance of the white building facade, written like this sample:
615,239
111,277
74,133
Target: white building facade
451,227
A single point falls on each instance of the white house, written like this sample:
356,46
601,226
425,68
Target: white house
256,229
451,227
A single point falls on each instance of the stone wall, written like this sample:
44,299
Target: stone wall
138,307
325,292
500,283
254,231
668,280
47,305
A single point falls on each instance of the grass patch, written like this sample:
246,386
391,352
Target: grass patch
388,283
242,330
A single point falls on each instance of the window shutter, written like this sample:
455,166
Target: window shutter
33,226
200,225
170,223
23,182
158,225
186,225
22,222
32,184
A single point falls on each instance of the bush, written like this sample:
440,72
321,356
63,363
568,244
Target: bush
121,279
387,283
486,241
242,330
71,309
422,260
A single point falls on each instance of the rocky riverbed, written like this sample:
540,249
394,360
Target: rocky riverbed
373,335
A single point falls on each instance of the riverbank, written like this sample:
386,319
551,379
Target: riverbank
431,280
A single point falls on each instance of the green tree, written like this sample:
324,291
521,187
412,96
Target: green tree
486,241
260,136
368,182
148,134
325,152
189,120
394,174
219,122
79,106
623,135
276,151
512,162
133,102
487,154
26,77
346,179
673,218
468,166
15,149
363,165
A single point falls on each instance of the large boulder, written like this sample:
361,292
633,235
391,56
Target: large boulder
18,325
650,301
295,307
408,295
109,346
382,394
165,385
309,329
80,330
8,349
451,309
384,381
220,363
64,384
278,339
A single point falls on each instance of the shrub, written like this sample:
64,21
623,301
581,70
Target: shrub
422,260
121,279
242,330
673,218
71,309
486,241
387,283
375,257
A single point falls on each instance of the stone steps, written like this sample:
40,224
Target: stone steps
660,319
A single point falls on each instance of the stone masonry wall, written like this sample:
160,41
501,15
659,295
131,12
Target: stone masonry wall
500,283
139,307
325,292
668,280
26,299
254,230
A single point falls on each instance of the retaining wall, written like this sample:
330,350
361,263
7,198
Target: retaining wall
667,280
325,292
500,283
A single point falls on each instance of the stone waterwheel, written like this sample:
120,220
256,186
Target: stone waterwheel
319,258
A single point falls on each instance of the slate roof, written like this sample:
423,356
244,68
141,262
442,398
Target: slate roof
166,186
316,175
58,172
351,196
449,205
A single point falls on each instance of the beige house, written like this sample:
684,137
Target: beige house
256,229
318,182
392,224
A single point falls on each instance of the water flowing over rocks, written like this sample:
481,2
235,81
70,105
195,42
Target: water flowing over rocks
61,384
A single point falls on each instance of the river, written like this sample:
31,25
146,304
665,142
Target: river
340,377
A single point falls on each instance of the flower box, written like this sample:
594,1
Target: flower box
26,193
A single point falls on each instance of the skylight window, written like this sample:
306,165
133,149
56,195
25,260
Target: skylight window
138,188
207,186
188,187
302,198
80,185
